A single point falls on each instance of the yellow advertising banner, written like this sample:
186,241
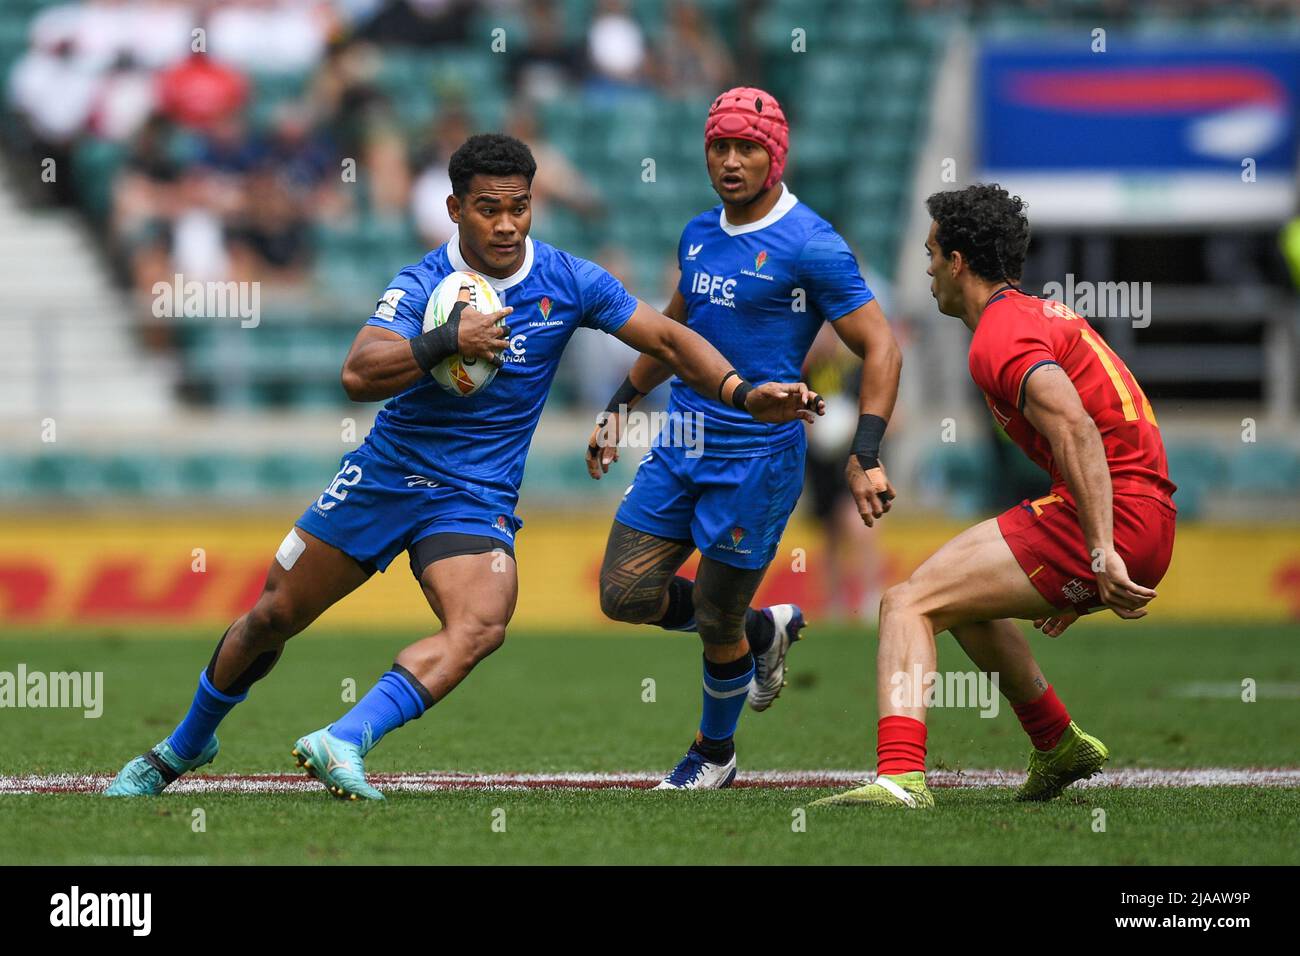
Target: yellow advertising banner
169,570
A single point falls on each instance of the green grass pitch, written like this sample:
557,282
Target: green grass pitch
1161,696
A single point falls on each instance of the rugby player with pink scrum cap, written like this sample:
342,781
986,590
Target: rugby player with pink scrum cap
760,273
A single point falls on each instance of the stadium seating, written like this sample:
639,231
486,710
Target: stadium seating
954,474
857,122
859,129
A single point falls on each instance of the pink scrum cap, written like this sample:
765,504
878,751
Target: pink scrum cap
749,113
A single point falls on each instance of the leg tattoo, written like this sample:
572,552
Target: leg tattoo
637,570
722,596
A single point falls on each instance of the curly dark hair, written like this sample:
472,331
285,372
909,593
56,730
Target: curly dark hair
489,154
987,225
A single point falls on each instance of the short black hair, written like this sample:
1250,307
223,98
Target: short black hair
987,225
489,154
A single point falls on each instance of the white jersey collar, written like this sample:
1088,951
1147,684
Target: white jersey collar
783,206
460,265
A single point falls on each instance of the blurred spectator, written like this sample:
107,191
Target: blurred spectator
223,158
689,58
616,49
854,576
432,184
53,88
558,180
153,34
358,118
345,90
270,241
125,100
169,216
269,36
419,23
146,199
305,162
547,65
198,249
201,92
160,32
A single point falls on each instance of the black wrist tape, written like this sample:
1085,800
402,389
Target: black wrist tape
624,396
739,395
866,442
437,344
724,381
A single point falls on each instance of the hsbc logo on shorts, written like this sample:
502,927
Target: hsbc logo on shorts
721,291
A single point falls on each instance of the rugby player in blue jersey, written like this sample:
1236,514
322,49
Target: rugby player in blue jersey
760,273
438,476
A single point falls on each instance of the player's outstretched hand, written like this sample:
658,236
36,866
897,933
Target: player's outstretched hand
479,336
602,446
784,402
1119,592
1055,626
872,492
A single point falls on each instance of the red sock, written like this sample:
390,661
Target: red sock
1044,719
900,745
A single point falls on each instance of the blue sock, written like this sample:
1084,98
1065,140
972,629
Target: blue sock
208,709
725,687
395,699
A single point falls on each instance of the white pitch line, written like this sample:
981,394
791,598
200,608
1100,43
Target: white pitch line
1129,778
1230,690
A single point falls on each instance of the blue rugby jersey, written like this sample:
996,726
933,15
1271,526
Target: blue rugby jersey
759,293
480,442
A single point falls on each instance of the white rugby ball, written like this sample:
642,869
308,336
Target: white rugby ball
457,374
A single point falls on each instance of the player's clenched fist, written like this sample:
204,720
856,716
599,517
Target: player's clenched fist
478,335
872,492
784,402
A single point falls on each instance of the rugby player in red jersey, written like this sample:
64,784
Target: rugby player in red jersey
1102,536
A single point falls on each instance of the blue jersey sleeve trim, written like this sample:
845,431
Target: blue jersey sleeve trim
868,297
392,327
613,327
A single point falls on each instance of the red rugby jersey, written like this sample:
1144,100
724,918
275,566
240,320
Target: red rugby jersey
1016,334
